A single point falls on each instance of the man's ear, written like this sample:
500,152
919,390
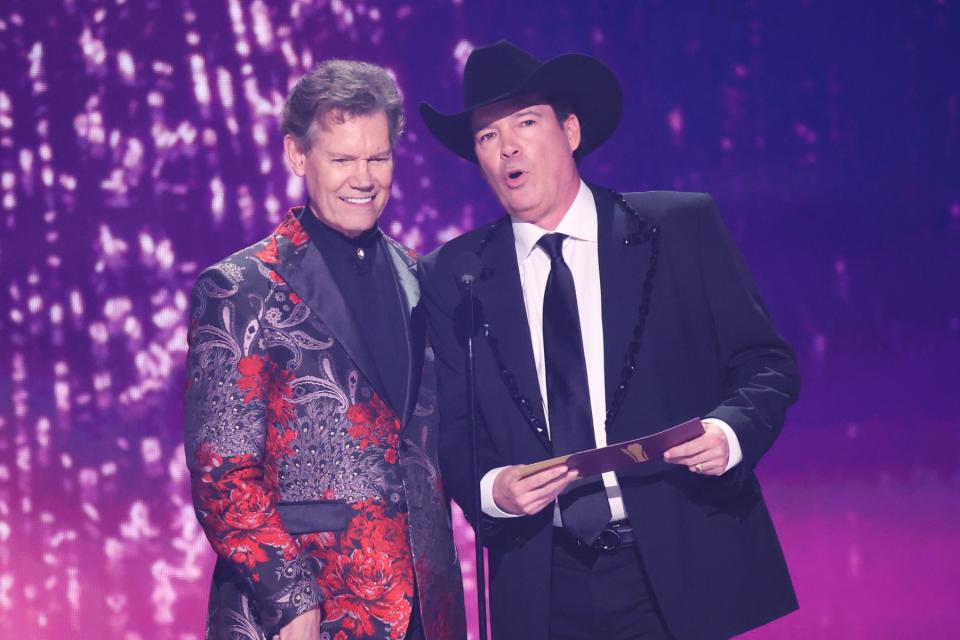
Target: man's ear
571,127
296,159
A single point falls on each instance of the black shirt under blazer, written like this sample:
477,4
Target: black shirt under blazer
709,349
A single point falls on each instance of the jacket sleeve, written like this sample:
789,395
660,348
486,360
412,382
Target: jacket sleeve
234,400
760,376
440,299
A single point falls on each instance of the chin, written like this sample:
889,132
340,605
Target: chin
517,208
525,214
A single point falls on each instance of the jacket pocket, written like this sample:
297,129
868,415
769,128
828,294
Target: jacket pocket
313,516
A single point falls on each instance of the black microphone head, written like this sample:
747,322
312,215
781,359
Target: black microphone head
466,267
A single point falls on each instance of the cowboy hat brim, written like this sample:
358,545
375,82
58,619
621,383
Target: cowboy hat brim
588,84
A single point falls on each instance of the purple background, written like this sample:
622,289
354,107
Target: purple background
138,143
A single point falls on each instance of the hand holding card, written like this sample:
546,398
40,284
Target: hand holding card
616,457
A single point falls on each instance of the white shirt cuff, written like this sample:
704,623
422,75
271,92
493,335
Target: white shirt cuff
736,454
486,495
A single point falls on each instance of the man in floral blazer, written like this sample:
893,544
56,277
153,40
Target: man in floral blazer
310,402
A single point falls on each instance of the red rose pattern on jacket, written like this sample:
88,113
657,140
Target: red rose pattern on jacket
368,577
277,413
375,424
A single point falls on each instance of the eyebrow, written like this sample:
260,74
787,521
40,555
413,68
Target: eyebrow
530,111
527,112
376,154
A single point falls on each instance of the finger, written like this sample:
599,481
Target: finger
509,481
704,458
549,491
711,463
547,499
692,458
541,478
687,449
709,469
682,452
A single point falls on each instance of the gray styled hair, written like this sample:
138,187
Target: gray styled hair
341,88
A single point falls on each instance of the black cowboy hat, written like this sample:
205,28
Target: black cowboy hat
502,71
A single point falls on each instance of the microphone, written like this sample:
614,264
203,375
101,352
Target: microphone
466,267
467,317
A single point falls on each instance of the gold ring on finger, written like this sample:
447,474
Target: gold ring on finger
699,467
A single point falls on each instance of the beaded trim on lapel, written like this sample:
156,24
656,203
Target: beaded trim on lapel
643,231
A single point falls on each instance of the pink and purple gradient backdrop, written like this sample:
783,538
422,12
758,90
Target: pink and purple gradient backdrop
138,143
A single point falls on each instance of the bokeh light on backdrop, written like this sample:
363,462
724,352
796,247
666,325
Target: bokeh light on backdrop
139,143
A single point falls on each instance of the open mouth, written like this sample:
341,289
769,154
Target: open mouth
366,200
515,178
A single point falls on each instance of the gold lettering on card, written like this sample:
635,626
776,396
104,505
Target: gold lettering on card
636,452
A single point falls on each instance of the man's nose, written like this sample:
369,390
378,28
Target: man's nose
361,178
508,145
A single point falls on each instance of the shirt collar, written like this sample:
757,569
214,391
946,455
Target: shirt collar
579,222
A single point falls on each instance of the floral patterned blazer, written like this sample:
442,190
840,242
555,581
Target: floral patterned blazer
312,490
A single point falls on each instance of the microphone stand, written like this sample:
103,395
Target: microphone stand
467,282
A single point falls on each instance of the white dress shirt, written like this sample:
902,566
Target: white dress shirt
580,252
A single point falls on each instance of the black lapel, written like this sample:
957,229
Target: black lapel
307,273
408,294
622,269
501,297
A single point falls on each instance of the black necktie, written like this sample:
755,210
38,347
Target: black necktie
583,506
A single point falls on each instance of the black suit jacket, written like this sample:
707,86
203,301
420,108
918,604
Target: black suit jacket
709,349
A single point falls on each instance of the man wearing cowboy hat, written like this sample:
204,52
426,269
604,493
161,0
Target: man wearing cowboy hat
605,317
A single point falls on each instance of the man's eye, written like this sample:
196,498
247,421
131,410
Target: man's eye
486,136
380,159
340,160
528,122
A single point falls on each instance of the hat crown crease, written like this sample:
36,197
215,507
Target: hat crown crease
496,71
